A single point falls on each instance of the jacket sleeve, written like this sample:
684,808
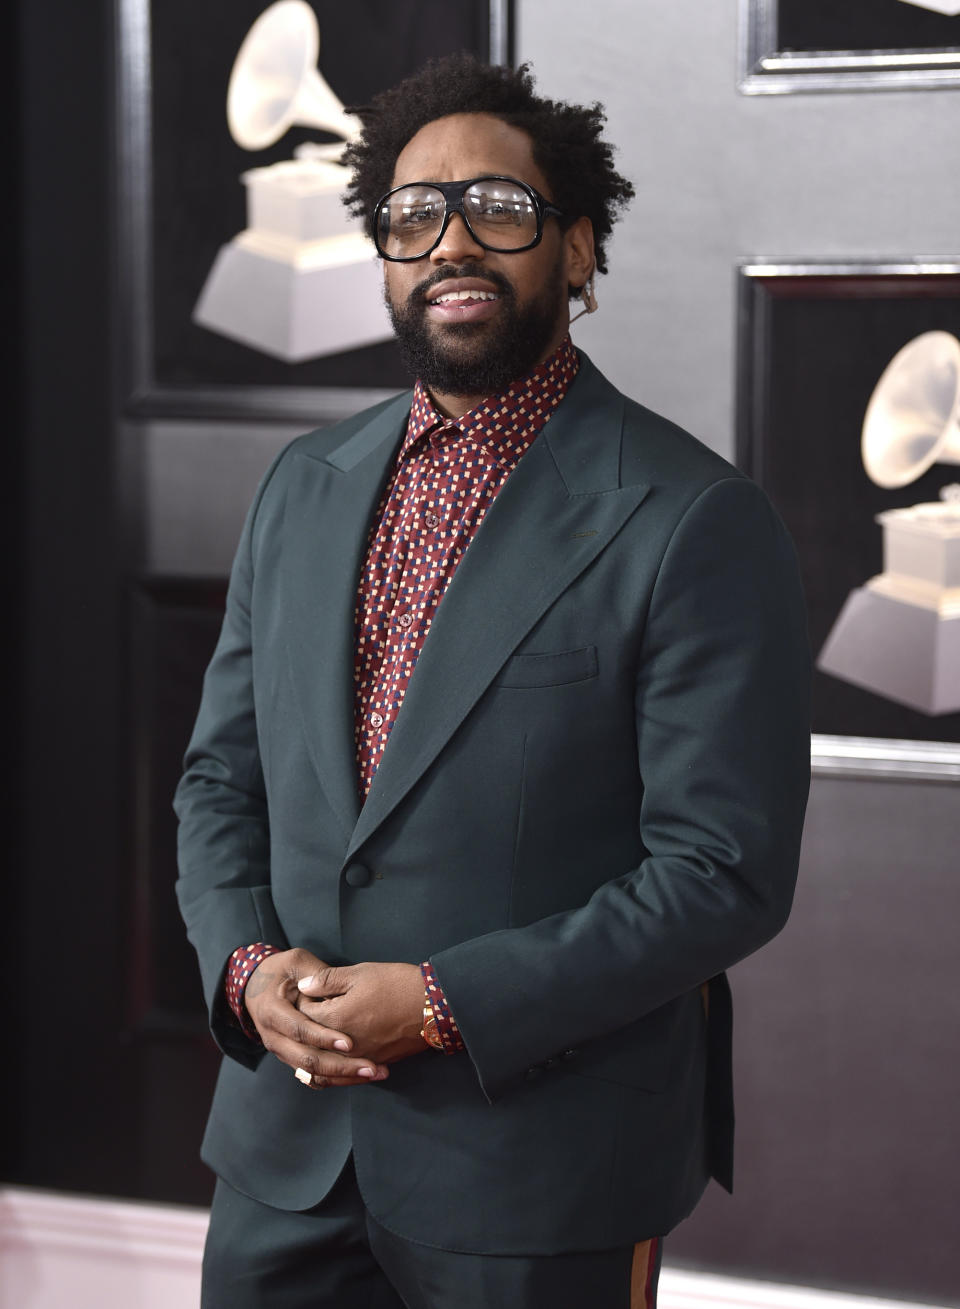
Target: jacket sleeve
723,754
224,835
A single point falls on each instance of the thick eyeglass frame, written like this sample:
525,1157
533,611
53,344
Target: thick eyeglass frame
453,193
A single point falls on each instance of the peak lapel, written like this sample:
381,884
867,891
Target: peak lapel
330,505
559,509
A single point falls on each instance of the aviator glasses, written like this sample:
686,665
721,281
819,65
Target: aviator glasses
501,214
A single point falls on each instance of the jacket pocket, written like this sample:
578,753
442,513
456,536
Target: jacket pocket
531,670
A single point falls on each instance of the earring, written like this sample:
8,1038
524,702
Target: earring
589,298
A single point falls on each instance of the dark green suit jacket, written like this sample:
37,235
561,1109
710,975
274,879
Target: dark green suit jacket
590,804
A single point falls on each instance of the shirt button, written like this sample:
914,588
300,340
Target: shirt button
432,521
405,620
376,720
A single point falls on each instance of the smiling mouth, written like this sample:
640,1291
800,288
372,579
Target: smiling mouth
462,297
463,300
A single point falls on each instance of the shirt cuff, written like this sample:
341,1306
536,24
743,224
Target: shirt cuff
241,967
446,1023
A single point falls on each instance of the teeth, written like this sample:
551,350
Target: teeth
452,296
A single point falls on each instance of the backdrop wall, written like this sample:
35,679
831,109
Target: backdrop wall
127,525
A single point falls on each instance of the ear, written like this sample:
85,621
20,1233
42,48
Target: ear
578,248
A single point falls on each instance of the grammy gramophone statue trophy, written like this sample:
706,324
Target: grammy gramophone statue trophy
302,280
899,634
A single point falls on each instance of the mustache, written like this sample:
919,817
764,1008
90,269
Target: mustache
418,296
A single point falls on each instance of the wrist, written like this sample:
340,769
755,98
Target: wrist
240,968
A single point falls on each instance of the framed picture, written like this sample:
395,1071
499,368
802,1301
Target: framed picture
814,341
182,198
859,45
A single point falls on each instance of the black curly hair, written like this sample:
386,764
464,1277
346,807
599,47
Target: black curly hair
567,148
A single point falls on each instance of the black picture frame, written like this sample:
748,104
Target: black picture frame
179,197
859,45
813,339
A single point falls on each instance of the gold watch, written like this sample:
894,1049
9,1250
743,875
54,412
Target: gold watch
429,1031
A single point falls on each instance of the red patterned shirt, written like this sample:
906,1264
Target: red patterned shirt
448,474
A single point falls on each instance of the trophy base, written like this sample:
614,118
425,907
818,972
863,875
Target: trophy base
294,307
901,651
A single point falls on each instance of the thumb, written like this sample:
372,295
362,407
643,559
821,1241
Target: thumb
320,982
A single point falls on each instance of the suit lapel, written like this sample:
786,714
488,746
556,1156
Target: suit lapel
330,505
558,510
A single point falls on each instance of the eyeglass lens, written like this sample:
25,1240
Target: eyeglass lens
502,215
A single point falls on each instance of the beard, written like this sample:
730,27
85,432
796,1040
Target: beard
478,359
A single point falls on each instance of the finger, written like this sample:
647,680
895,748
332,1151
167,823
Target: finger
318,1012
360,1074
290,1021
318,1083
337,1068
320,982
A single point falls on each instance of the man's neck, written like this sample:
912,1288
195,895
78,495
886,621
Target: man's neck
455,406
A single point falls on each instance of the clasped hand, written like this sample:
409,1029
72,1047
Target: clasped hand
343,1025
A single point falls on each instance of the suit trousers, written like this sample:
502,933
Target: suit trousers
336,1256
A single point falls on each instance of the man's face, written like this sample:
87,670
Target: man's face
463,346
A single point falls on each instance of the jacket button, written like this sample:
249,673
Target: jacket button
358,875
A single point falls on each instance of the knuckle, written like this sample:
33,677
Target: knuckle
302,1035
331,1068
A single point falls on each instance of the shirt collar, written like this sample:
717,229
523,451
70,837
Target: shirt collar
504,424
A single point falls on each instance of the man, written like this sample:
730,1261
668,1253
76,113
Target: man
502,759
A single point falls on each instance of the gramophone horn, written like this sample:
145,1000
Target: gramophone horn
913,418
275,84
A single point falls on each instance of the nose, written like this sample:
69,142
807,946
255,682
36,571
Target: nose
456,244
